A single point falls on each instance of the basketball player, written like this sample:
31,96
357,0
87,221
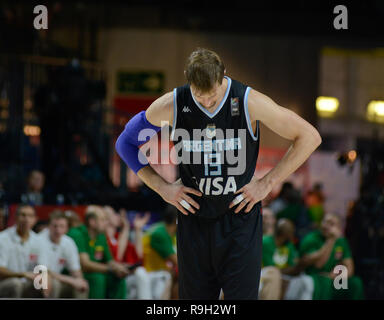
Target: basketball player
215,125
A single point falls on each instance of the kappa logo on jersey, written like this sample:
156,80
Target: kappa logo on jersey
186,109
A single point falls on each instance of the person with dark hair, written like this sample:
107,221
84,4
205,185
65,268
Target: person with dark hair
34,193
20,253
269,221
104,275
282,198
73,219
40,226
160,259
60,254
215,127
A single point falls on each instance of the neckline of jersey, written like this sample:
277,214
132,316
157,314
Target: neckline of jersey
209,114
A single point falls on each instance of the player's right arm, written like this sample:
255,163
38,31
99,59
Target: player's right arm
159,113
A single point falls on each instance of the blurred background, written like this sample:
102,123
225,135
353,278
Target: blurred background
67,92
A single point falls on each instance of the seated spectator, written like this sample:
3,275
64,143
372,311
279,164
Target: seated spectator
321,251
138,282
160,260
314,200
296,211
269,222
60,253
104,275
20,253
270,278
281,201
73,219
34,193
280,253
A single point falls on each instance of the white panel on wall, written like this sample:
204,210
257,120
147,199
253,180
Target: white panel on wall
340,184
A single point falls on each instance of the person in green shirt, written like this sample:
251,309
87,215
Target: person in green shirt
104,275
278,249
280,253
159,248
321,251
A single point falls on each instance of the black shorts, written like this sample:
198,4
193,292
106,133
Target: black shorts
224,252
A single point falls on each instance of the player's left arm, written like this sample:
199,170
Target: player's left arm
305,139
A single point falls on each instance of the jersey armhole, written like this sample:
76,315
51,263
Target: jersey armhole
249,123
174,113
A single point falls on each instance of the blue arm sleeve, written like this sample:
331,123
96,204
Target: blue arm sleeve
137,131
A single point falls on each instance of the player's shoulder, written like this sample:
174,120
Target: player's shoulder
182,88
162,103
166,99
237,84
257,96
161,109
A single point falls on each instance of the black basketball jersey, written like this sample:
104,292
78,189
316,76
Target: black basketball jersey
217,152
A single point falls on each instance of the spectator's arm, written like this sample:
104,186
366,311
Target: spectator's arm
319,257
139,224
139,242
324,253
290,271
173,259
122,241
62,277
111,266
6,273
76,274
91,266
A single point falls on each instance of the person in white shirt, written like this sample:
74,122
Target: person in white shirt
20,253
60,252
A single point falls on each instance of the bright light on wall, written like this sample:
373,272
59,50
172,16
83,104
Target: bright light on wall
375,111
32,130
327,106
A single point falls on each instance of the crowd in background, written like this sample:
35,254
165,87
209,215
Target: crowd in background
105,255
305,253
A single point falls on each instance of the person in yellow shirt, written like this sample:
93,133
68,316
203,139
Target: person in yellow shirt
159,255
